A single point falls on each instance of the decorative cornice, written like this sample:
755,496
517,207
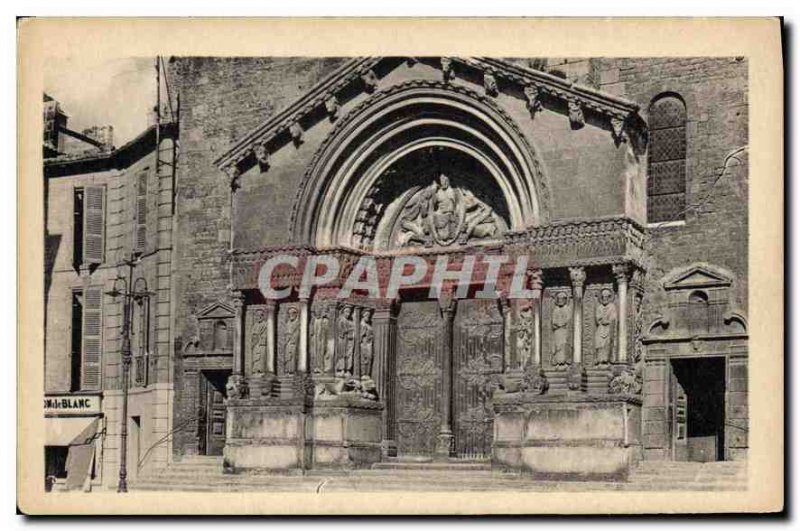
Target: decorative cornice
313,99
534,84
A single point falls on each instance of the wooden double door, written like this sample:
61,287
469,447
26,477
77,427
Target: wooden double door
420,395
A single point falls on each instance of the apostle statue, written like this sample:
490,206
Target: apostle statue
320,329
560,325
258,342
366,339
605,316
292,341
345,333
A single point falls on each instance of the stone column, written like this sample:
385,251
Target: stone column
578,277
621,274
447,304
356,342
384,324
535,280
238,334
269,312
302,350
505,307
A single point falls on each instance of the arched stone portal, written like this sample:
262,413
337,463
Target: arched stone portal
396,129
439,170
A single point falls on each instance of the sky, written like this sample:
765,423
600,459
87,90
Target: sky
102,91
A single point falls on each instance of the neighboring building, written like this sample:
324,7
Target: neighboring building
104,205
623,176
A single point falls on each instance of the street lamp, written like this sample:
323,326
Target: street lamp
129,292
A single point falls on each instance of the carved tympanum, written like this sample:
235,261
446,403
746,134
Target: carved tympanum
443,215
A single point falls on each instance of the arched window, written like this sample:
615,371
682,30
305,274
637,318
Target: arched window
666,176
698,312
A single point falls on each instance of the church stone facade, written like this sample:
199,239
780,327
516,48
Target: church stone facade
622,181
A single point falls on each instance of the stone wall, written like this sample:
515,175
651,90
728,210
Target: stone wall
221,100
716,227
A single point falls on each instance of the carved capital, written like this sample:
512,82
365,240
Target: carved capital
332,107
535,280
621,272
370,80
490,83
238,299
578,276
262,155
576,119
533,101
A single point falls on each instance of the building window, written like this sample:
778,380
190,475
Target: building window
666,180
77,227
76,350
140,235
86,339
88,225
698,312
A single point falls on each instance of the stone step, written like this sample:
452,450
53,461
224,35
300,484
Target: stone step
450,466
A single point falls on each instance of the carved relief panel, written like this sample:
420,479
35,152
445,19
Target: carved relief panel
256,339
419,377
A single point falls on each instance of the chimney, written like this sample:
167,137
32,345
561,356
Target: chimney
54,121
103,134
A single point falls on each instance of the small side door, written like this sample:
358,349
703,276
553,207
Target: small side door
678,407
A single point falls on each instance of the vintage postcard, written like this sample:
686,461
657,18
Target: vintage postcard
400,266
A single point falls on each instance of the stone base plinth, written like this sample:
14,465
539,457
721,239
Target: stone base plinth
346,433
567,437
273,435
265,435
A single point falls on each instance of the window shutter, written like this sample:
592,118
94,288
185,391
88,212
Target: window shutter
92,339
94,217
140,238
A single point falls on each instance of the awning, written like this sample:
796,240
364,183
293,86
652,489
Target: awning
61,431
80,457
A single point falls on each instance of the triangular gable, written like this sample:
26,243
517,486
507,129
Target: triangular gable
285,125
698,276
216,310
